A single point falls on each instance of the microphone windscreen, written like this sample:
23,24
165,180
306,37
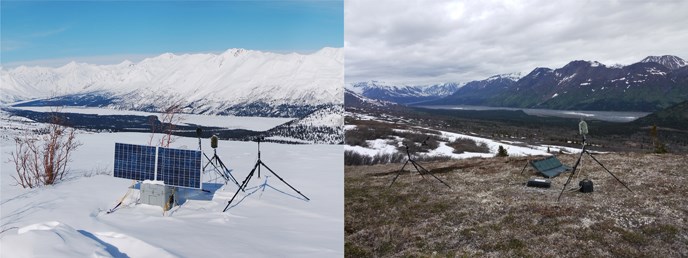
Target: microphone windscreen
213,142
583,128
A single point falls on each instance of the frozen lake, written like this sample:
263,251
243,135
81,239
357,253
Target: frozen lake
229,122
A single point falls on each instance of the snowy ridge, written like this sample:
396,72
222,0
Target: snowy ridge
510,76
365,100
402,93
331,117
671,62
205,83
324,126
402,90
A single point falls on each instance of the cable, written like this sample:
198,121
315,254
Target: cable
123,197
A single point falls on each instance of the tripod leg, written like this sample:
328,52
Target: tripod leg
285,182
217,170
209,161
524,167
617,179
433,175
399,173
573,171
415,165
243,185
227,175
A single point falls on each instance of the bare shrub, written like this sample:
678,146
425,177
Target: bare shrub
358,136
426,158
98,171
415,142
168,124
44,159
352,158
462,145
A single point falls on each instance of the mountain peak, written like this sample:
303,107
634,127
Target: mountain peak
509,76
233,52
583,63
329,51
671,62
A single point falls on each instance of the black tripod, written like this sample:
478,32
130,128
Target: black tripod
220,167
573,171
418,167
257,166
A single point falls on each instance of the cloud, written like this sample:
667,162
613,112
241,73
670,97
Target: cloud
439,41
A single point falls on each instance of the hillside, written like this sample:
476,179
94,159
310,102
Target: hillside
488,212
675,117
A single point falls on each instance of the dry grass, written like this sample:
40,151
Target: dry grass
489,212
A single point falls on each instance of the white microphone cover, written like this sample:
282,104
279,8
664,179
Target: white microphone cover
583,128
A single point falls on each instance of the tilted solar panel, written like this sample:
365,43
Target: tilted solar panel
179,167
135,162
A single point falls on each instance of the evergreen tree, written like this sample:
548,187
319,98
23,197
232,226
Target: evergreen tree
501,152
659,146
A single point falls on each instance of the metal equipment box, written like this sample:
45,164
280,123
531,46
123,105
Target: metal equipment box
158,194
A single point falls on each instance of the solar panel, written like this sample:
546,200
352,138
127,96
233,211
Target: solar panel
179,167
135,162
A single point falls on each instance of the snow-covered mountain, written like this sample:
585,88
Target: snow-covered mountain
650,85
475,92
353,99
671,62
238,82
403,94
324,126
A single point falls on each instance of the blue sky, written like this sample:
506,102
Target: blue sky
54,33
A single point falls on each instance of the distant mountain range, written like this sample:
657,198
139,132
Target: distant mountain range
236,82
402,94
353,99
654,83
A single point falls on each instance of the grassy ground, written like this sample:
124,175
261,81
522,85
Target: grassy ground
489,212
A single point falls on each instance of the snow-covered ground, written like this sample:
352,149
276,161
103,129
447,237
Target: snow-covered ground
68,219
230,122
382,146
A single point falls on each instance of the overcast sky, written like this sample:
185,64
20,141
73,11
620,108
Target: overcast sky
424,42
